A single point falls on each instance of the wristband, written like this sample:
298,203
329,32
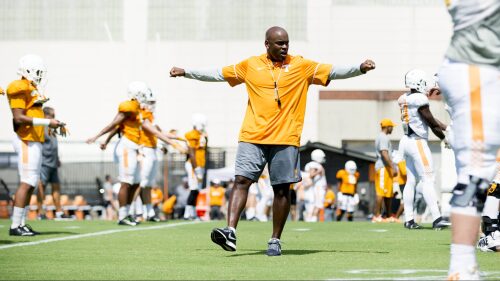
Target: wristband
41,122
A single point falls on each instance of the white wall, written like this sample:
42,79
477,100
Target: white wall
88,79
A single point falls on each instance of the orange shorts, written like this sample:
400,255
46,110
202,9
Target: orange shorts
383,183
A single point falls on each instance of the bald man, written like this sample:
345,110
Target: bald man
277,85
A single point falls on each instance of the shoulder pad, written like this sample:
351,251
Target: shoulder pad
129,106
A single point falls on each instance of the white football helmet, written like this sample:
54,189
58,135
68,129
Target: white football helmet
417,79
199,121
350,167
138,90
150,102
318,155
32,68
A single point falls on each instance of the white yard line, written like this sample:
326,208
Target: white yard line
92,234
407,274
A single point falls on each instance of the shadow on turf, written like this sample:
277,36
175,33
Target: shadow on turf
303,252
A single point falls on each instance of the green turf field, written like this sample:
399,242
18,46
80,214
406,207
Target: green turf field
183,250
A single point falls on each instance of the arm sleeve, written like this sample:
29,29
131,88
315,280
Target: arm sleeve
317,73
235,74
343,72
213,75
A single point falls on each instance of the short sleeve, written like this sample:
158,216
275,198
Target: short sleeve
420,100
383,143
128,106
192,140
235,74
317,73
340,174
17,101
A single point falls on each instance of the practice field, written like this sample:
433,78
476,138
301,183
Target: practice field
98,250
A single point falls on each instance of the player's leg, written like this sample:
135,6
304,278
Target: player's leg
148,174
190,209
56,192
341,205
387,196
127,158
40,197
379,190
409,195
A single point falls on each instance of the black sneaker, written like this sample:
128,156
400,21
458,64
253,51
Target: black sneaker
440,223
134,219
225,238
127,221
412,225
28,227
273,247
153,219
20,231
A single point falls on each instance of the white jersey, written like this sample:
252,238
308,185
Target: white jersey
467,12
413,124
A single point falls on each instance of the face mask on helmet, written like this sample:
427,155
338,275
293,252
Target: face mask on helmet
350,167
199,122
150,101
32,68
416,79
318,155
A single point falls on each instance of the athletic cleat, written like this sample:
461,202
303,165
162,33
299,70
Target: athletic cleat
412,225
20,231
28,227
490,242
376,219
440,223
153,219
224,237
127,221
273,247
132,218
471,273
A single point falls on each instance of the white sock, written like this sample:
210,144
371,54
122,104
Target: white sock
408,198
462,257
25,214
250,213
430,199
17,213
188,212
59,214
232,229
123,212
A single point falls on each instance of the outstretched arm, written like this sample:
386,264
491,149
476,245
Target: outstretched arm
434,124
150,128
344,72
110,136
116,121
214,75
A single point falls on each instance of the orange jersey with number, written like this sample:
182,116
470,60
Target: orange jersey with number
131,126
147,139
267,121
22,94
348,182
197,141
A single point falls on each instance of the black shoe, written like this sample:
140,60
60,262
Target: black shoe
225,238
20,231
273,247
41,217
412,225
440,223
153,219
134,219
30,229
127,221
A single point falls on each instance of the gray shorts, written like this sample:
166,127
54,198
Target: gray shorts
283,162
49,175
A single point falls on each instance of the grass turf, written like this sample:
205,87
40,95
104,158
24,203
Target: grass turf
175,250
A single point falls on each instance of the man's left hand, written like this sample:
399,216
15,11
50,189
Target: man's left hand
367,65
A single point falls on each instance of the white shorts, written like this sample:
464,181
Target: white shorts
126,153
418,158
29,160
347,203
193,182
473,93
254,189
149,166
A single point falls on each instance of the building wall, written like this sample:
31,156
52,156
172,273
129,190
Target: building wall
88,71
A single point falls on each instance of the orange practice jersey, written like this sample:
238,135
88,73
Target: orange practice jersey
131,126
329,198
194,141
347,182
147,139
265,122
217,195
22,94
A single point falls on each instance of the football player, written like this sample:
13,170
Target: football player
26,101
315,185
195,164
490,240
347,197
416,119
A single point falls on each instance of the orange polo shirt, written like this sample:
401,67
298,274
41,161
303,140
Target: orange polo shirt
265,122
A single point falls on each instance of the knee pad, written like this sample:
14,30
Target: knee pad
489,225
494,190
470,195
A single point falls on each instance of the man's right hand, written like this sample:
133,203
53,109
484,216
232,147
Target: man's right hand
176,71
54,124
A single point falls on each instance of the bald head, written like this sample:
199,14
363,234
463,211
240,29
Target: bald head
277,43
